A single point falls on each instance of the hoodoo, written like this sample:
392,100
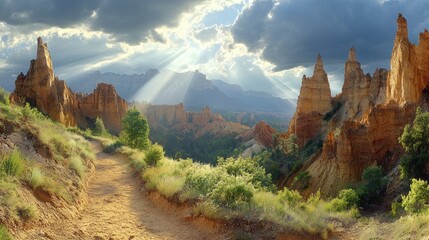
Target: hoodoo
42,89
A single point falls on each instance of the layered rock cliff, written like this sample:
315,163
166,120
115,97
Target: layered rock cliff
368,117
258,138
175,118
314,102
42,89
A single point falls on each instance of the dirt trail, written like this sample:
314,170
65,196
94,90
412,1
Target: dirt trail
119,208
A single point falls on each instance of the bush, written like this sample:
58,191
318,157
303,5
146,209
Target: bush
249,168
232,192
13,164
99,129
201,180
154,155
302,180
36,178
4,97
373,185
136,130
414,140
290,197
347,199
417,200
4,233
77,165
112,147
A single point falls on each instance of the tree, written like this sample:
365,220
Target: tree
136,130
99,128
417,200
415,141
373,185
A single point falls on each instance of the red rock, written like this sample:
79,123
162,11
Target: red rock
42,89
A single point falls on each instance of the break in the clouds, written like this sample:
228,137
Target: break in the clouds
259,44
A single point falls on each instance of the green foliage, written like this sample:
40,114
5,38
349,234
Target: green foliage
302,180
205,149
154,154
347,199
36,178
415,141
417,200
112,147
373,185
394,208
4,97
13,164
232,192
290,197
248,168
178,155
4,233
77,165
99,129
201,180
136,130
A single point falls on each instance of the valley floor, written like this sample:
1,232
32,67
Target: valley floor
118,207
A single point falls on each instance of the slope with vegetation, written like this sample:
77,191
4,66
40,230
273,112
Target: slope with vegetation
43,168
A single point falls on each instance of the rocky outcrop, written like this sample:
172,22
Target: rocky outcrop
258,138
372,113
409,67
356,87
314,102
42,89
175,118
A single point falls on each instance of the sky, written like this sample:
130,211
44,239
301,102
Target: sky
262,45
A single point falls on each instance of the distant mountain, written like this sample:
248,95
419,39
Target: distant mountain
191,88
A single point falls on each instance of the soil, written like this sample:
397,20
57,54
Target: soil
118,207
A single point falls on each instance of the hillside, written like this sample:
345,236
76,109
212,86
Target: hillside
44,168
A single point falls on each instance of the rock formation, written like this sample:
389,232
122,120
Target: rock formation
356,87
258,138
42,89
175,118
314,102
409,66
363,128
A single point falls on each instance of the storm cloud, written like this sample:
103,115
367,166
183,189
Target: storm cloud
291,33
131,21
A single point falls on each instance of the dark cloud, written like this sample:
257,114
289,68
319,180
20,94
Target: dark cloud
291,33
131,21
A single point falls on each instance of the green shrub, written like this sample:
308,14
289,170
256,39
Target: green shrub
99,129
417,200
373,185
154,155
347,199
36,178
201,180
26,212
4,233
254,172
112,147
290,197
13,164
4,97
414,140
302,180
232,192
77,165
394,208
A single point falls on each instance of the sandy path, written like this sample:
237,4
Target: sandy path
119,208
